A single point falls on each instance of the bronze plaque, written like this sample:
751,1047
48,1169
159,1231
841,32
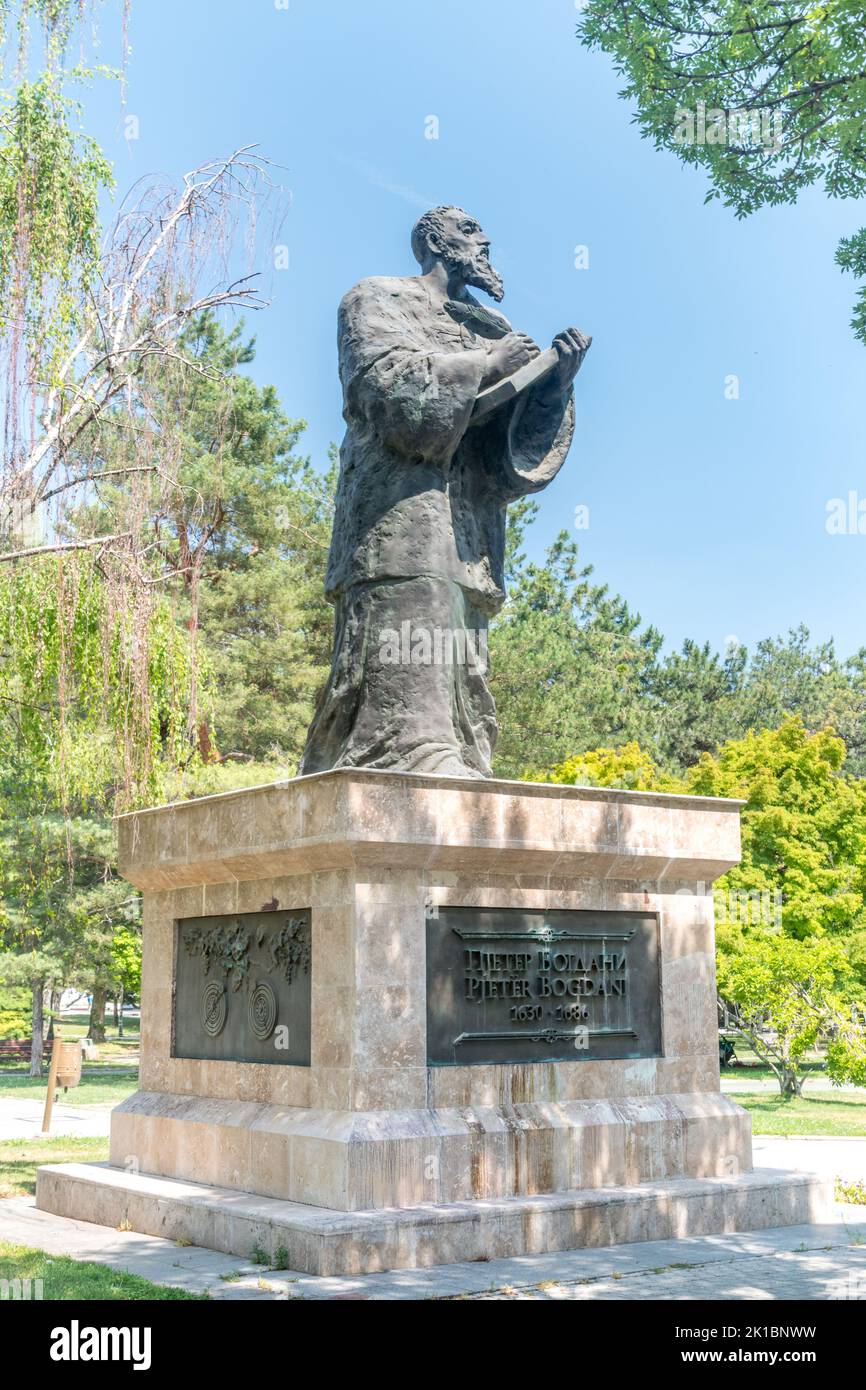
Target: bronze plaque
242,987
508,985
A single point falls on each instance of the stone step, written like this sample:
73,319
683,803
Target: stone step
319,1240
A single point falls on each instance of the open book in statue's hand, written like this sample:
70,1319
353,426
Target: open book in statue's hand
510,386
569,355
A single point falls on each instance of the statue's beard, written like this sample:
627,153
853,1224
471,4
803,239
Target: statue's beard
478,272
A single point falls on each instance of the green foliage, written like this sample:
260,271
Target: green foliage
78,671
767,98
846,1055
695,700
15,1009
51,177
240,523
628,767
804,826
788,676
851,256
791,917
786,991
63,905
125,950
803,831
568,661
53,20
572,671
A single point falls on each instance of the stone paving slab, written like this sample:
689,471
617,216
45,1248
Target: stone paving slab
814,1261
815,1275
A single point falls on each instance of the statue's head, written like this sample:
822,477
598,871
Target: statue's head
455,238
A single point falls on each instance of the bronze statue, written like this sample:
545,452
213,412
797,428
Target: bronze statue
450,416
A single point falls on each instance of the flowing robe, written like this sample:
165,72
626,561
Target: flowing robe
418,545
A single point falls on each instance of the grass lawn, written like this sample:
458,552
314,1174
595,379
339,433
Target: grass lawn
19,1159
841,1116
63,1278
749,1067
94,1089
115,1049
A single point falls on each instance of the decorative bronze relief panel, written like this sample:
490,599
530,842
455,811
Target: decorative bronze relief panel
242,987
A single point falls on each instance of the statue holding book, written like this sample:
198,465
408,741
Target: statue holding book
450,415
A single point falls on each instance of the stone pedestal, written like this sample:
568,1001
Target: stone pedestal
369,1157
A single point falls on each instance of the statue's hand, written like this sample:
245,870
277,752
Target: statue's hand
506,355
572,346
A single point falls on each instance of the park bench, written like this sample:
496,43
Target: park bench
18,1049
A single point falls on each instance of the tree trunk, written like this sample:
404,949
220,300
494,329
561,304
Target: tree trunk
120,1017
53,1010
97,1013
789,1082
36,1027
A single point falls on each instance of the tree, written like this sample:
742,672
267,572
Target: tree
236,523
51,178
73,676
788,676
83,323
803,864
135,304
695,697
798,893
629,767
62,904
803,830
786,993
769,98
126,962
93,706
569,663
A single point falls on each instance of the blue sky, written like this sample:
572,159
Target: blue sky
707,514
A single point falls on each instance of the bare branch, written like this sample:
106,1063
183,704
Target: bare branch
29,551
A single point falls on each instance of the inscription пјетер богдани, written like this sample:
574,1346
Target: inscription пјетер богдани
510,985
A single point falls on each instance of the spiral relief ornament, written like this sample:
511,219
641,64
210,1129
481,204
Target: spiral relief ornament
262,1011
213,1008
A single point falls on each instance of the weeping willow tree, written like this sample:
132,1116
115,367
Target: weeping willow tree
92,708
98,677
85,321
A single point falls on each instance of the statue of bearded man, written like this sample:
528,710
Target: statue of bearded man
449,418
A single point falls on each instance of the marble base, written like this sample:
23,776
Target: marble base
376,1155
317,1240
399,1158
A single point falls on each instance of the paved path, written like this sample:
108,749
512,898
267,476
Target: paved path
733,1085
813,1262
22,1119
833,1158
